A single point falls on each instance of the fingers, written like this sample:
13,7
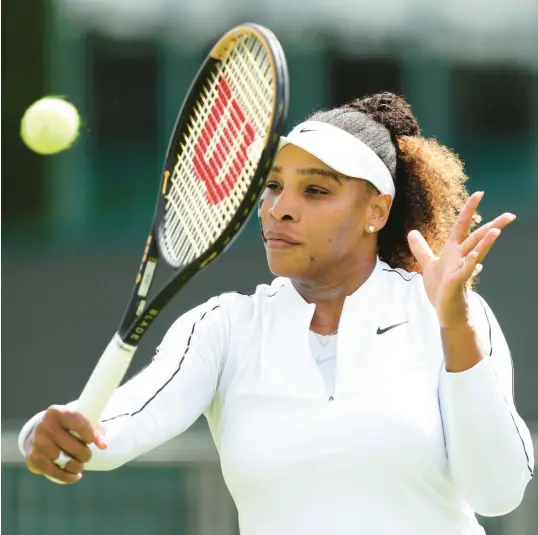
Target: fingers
420,248
100,438
474,239
72,421
32,465
73,467
463,222
41,463
72,446
44,445
483,248
46,450
51,437
55,472
472,262
55,434
469,266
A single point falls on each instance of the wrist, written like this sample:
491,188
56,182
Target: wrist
29,442
458,326
27,434
461,347
454,313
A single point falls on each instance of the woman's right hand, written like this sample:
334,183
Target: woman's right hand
55,434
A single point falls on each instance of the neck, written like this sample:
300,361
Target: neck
329,295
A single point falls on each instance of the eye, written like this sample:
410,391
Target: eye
315,192
272,186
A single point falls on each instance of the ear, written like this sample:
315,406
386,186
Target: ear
378,211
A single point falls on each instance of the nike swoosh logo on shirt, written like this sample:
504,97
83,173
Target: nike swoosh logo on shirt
382,331
307,130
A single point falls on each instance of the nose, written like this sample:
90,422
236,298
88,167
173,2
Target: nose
284,208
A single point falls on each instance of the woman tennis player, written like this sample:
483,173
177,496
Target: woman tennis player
368,389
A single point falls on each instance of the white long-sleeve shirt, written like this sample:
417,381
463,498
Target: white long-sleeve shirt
386,443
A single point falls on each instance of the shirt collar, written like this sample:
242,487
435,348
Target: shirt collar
366,291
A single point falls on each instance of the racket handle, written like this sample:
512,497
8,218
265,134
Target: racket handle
105,379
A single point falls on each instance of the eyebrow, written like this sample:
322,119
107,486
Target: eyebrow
312,171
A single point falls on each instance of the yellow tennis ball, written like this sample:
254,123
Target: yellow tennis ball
50,125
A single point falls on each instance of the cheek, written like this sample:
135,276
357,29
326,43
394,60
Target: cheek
343,233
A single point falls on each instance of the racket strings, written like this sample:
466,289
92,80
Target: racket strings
220,136
187,206
212,174
245,73
185,212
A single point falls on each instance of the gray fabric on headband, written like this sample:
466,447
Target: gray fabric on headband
370,132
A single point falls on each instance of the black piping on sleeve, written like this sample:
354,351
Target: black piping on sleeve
513,392
170,379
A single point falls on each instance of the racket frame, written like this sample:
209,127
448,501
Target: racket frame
140,313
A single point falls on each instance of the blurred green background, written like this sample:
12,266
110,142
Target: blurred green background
74,224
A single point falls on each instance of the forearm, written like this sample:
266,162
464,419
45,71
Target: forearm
461,347
141,416
489,447
166,397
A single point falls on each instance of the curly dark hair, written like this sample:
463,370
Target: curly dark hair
429,177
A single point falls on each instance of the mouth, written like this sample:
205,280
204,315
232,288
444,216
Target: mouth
279,240
279,243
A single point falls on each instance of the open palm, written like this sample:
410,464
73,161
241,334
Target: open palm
446,275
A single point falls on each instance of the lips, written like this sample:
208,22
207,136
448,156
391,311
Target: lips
280,237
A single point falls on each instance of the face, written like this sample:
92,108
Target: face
315,221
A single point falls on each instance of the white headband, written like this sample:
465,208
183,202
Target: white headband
340,150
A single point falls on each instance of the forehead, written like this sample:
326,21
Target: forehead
292,157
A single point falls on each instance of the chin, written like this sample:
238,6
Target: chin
283,265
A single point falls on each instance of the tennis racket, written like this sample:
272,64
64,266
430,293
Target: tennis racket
208,188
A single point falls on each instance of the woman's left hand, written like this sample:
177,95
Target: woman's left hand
445,276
